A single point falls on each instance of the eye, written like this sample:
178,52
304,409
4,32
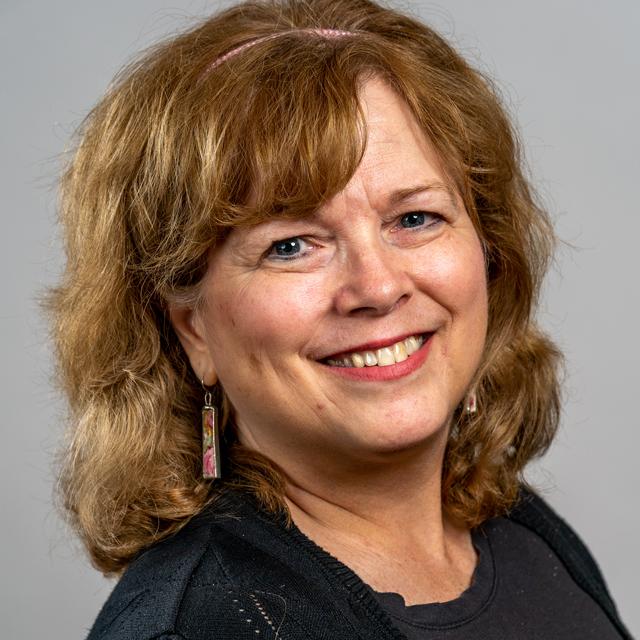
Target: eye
288,249
417,219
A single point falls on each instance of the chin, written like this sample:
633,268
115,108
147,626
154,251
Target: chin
410,437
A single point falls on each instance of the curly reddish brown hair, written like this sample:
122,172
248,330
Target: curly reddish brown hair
164,167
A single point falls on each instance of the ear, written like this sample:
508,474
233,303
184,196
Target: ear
190,329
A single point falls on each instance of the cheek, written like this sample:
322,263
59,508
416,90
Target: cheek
266,317
454,274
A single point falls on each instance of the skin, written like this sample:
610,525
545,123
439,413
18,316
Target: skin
363,458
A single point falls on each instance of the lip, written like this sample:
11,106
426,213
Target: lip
391,372
375,344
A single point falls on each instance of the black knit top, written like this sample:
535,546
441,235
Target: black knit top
519,588
235,572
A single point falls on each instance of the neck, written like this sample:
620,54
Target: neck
377,505
386,522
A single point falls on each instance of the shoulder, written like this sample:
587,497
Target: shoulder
228,573
535,513
532,511
145,602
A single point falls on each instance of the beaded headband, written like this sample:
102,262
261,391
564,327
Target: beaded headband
325,33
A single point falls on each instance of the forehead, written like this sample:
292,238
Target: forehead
384,109
399,161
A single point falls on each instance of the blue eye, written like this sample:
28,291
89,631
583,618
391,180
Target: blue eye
287,249
420,220
413,219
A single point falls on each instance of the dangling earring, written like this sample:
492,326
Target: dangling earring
210,444
471,404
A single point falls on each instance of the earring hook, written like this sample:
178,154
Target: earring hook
207,393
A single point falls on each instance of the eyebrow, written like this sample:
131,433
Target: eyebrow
398,196
395,198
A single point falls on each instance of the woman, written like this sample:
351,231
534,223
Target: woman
296,335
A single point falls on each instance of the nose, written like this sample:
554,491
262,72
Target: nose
374,281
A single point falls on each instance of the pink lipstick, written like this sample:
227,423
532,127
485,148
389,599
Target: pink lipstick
390,372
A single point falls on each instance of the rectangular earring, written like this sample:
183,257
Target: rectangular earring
210,444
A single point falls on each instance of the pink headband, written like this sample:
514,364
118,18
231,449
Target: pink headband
325,33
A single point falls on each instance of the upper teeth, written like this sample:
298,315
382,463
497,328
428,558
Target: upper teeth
380,357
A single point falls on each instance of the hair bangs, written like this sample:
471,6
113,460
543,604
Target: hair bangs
311,136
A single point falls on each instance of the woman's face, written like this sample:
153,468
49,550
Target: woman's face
293,308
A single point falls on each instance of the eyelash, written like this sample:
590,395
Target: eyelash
437,219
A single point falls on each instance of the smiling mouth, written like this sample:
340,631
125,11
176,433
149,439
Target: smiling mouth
383,357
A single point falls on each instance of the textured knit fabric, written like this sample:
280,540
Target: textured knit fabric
235,573
519,589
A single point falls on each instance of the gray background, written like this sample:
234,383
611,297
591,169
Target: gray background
570,74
